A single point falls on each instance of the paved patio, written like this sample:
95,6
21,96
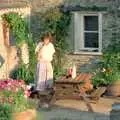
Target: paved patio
77,110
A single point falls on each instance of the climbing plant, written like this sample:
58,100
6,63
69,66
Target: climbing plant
57,23
114,28
19,27
108,70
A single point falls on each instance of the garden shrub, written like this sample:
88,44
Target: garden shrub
57,23
5,112
21,33
54,21
108,69
109,66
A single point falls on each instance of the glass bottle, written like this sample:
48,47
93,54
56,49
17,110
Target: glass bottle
73,71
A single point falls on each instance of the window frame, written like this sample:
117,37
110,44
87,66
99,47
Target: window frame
78,33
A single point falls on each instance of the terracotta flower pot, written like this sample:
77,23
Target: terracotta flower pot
114,89
26,115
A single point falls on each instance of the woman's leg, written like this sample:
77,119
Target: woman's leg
49,80
41,76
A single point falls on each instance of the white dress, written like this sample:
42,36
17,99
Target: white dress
44,71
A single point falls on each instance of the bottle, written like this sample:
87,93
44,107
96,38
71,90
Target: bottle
73,71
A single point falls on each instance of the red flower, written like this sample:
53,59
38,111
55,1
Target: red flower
12,88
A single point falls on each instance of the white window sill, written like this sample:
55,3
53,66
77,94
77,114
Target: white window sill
87,53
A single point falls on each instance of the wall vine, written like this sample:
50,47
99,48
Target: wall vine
17,25
57,23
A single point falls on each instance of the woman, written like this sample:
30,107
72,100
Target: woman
44,74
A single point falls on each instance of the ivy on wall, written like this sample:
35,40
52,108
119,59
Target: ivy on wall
53,21
83,8
114,28
57,23
19,27
17,24
108,70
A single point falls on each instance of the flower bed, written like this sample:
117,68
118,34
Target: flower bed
14,93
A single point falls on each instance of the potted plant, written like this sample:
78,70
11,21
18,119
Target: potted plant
107,70
15,94
102,77
114,88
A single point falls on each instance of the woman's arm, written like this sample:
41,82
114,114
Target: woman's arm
52,49
38,47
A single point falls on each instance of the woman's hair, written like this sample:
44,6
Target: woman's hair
47,36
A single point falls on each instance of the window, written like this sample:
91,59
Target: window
87,32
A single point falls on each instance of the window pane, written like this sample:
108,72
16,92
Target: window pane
91,40
91,23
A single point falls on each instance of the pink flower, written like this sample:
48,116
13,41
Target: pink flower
12,88
8,88
26,94
21,82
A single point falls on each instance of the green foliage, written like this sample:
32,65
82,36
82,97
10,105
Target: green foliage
17,24
20,30
53,21
5,112
93,8
26,72
32,61
57,23
14,93
108,69
1,61
109,66
84,8
21,72
114,28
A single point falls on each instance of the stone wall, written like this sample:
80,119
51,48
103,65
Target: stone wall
8,53
86,2
87,62
84,63
39,5
81,59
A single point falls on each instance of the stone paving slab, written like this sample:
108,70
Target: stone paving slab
77,110
70,114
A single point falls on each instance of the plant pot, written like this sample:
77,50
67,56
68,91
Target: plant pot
29,114
114,89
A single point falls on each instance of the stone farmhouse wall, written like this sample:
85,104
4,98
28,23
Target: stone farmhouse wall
79,59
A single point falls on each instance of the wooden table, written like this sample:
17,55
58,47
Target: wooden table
67,88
